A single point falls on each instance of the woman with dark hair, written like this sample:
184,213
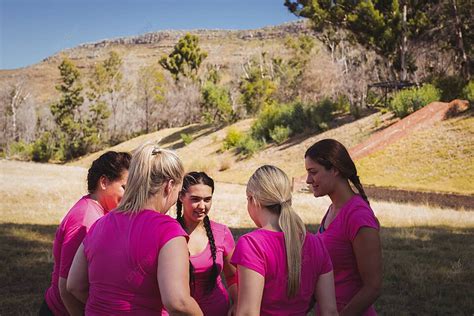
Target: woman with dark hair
135,260
210,245
349,229
106,180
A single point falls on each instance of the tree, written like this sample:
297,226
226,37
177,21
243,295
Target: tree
106,88
185,59
151,91
216,105
66,111
16,97
385,26
257,86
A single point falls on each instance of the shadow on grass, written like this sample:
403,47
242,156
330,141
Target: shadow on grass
196,131
428,270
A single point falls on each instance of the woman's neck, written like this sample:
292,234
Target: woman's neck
270,221
341,195
189,226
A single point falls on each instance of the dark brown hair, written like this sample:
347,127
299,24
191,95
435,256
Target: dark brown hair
110,164
330,153
190,179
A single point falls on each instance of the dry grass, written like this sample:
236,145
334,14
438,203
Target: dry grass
439,159
427,251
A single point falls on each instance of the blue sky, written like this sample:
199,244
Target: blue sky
31,30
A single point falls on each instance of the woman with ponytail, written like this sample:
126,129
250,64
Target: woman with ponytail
135,259
349,229
281,269
210,245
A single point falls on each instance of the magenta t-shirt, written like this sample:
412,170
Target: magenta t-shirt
215,303
264,252
69,236
122,254
338,238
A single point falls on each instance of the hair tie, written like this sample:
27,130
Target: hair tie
155,151
286,202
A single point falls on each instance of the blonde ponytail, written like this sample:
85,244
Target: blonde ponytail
271,188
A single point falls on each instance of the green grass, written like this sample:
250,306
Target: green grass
439,159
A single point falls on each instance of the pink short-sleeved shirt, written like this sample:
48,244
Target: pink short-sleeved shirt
122,254
338,238
216,302
264,252
69,235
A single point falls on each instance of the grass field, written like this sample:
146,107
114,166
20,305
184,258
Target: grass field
427,251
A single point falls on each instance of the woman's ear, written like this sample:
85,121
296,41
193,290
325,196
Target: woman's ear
103,182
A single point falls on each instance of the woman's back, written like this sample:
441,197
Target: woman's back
122,254
264,251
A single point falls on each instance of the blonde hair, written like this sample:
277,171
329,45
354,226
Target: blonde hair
271,188
150,168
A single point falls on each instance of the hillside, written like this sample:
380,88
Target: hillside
226,48
439,158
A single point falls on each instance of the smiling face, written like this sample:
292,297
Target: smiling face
321,180
197,202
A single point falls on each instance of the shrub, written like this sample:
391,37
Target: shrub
451,87
186,138
216,104
468,92
43,148
232,139
248,146
408,101
20,150
280,133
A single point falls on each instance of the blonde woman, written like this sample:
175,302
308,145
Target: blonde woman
280,268
135,260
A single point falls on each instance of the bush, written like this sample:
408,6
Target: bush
280,134
248,146
232,139
20,150
186,138
468,92
216,105
451,87
43,148
408,101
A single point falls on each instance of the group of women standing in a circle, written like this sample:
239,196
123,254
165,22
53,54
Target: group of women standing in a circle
138,260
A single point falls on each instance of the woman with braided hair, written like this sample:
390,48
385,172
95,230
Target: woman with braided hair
349,229
281,269
210,245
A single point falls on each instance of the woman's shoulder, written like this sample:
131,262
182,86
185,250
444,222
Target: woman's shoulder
358,205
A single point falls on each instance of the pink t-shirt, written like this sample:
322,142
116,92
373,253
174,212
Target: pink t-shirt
122,254
338,238
69,236
264,252
215,303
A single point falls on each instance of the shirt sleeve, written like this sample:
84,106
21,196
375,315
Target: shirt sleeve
170,229
73,238
247,253
229,243
360,216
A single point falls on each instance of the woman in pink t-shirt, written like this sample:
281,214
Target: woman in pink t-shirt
349,229
135,260
281,269
106,180
210,245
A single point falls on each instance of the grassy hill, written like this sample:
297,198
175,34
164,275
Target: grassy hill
439,159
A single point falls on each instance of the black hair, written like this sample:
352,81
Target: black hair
332,154
110,164
190,179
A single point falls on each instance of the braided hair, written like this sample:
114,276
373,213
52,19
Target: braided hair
190,179
330,153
